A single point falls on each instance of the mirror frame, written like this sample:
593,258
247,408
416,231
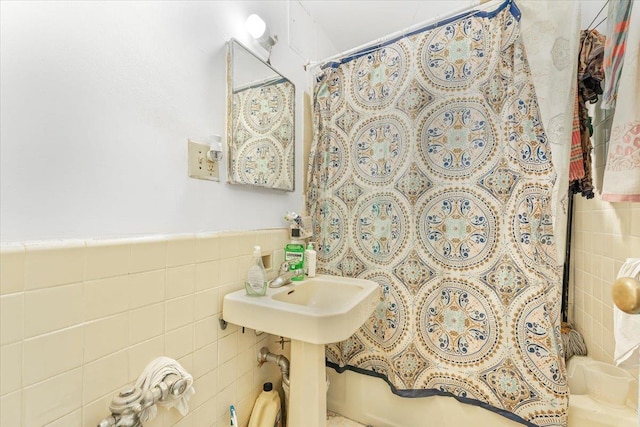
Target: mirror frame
232,146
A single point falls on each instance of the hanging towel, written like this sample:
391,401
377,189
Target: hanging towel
618,19
590,76
576,165
626,327
621,182
154,374
590,70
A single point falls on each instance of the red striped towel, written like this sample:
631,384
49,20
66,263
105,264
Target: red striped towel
576,163
618,20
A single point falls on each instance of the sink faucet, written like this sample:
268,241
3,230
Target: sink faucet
285,275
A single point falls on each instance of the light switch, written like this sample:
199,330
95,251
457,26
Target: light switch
200,166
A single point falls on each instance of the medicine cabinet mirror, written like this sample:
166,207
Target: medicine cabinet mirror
260,122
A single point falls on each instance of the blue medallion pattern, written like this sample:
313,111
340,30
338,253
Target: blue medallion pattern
381,225
455,55
537,341
284,133
350,265
458,229
265,107
380,147
458,324
349,192
387,324
457,140
453,385
409,364
328,92
341,352
506,279
261,143
532,228
259,162
506,382
377,364
430,174
527,138
495,91
414,99
329,230
413,272
333,164
378,76
413,184
347,120
500,182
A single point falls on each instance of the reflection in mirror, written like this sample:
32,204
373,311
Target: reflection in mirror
260,122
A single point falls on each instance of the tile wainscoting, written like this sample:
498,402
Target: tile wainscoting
604,236
81,319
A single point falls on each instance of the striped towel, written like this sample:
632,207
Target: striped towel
576,165
589,78
621,181
618,19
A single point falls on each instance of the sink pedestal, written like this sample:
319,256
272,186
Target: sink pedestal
314,312
308,387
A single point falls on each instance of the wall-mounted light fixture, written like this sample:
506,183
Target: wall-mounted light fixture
257,28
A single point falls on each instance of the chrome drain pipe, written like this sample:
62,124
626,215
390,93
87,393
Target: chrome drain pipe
264,355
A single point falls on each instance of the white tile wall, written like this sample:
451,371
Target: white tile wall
604,235
81,319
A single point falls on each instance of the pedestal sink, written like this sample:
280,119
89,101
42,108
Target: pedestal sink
313,312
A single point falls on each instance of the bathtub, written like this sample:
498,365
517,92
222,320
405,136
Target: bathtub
369,400
584,411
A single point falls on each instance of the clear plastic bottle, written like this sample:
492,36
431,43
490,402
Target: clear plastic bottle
310,260
266,411
256,283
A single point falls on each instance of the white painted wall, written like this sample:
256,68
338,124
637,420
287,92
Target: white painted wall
97,100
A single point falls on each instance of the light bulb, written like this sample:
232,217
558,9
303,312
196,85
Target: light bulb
255,26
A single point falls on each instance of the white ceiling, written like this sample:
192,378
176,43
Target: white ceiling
351,23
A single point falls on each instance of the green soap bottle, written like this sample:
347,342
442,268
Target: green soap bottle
294,254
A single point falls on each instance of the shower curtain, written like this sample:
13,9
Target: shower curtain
431,174
550,31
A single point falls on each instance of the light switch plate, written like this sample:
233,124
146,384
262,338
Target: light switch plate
200,166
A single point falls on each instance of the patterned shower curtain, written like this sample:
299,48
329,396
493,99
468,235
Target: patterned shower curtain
431,174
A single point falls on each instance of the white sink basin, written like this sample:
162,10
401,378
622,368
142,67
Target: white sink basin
312,313
321,310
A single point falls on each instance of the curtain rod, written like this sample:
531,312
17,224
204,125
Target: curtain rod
374,44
